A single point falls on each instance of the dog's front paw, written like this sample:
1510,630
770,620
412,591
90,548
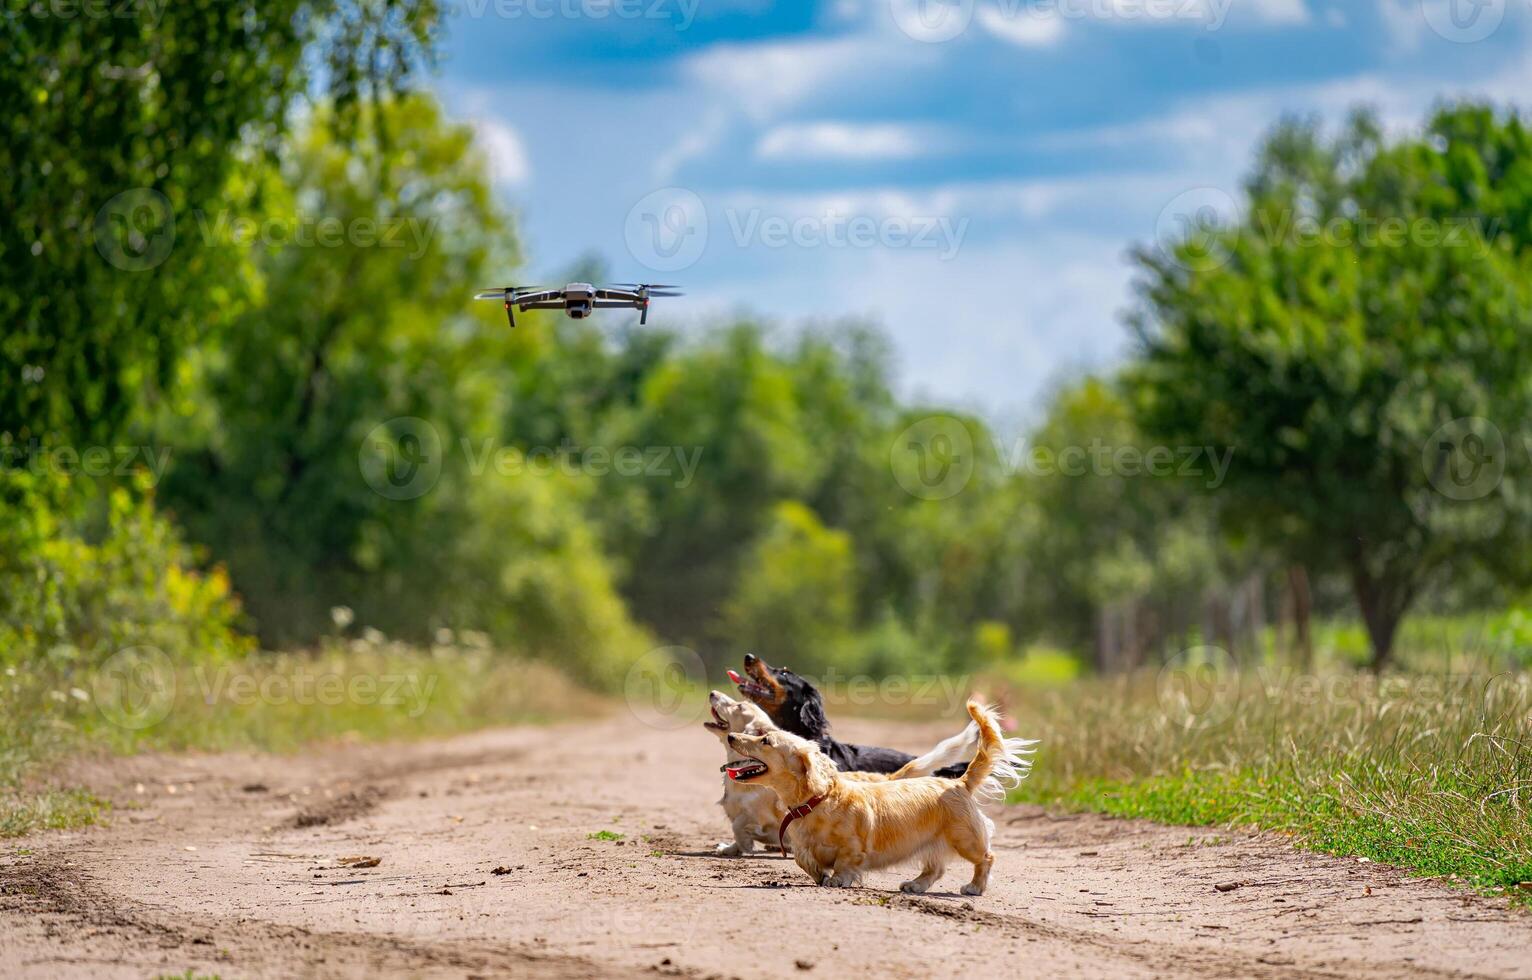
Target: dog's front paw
728,849
839,881
972,889
914,886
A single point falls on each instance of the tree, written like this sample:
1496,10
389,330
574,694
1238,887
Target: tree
795,599
115,131
1129,546
1362,338
360,366
730,405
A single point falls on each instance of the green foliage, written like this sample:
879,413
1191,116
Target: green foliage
320,384
1109,531
160,102
76,588
342,339
83,580
527,567
795,595
732,400
1372,295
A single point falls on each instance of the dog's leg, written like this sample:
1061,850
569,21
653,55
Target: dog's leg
930,872
744,839
846,869
981,870
806,860
971,842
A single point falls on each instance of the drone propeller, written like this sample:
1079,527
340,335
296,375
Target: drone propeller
502,292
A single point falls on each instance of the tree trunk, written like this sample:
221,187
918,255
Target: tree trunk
1302,604
1255,615
1383,602
1106,639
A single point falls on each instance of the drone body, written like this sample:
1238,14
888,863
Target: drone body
578,299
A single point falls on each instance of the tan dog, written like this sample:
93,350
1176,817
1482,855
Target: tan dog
843,827
755,812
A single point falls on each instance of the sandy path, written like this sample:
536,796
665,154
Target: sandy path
237,873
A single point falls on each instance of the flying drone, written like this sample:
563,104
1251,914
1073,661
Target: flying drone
578,299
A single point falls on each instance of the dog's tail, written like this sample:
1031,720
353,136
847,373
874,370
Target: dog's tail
949,752
992,753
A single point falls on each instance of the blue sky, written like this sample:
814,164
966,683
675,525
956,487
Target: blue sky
967,173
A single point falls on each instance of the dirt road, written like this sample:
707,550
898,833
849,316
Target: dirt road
497,854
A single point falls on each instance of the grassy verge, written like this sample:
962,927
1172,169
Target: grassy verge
366,689
1433,774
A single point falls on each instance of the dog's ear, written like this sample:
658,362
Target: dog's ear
812,714
797,758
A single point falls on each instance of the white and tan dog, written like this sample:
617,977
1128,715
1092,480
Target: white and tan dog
755,812
841,827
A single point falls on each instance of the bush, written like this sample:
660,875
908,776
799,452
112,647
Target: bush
795,599
79,582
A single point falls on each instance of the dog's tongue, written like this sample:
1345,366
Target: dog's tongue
735,768
736,678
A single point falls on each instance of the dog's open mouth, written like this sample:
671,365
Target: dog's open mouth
750,689
744,769
717,724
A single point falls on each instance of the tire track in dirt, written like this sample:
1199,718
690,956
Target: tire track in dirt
586,850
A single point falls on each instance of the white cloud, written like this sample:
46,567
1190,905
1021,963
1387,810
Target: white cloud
1027,27
1211,13
1281,11
1109,195
507,154
1403,22
1226,128
695,142
840,141
766,78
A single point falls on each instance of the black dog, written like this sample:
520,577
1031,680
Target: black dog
798,707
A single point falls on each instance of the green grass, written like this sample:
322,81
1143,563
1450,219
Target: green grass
360,690
604,835
1418,772
49,809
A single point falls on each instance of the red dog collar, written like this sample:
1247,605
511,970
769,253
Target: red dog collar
801,810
